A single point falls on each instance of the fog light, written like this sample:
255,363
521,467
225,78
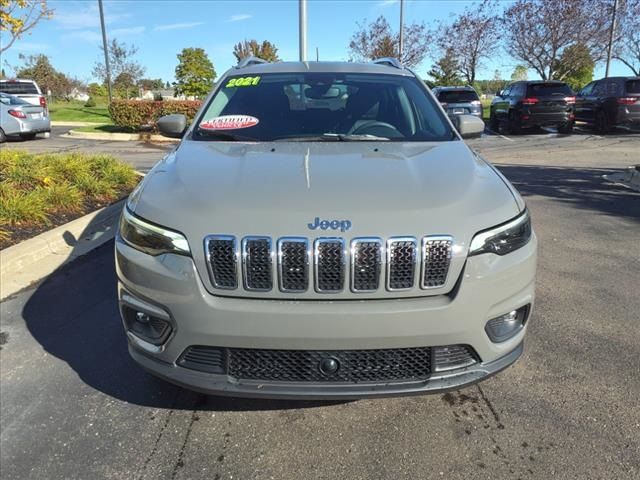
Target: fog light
505,326
145,326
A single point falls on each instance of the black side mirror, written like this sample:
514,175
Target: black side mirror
172,125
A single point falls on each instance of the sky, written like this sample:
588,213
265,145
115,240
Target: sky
160,29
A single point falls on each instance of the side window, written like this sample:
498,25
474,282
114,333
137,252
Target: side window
613,88
586,91
599,89
517,90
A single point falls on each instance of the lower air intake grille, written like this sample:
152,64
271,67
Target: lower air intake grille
452,357
204,359
354,366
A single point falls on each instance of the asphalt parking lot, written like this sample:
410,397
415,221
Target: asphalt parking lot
73,405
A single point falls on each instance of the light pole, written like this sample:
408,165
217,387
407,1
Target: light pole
400,43
106,52
303,30
611,34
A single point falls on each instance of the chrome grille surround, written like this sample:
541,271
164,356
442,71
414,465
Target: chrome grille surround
293,264
436,260
222,261
329,259
366,264
257,263
401,263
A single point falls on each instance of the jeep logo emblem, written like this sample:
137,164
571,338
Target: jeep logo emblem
343,225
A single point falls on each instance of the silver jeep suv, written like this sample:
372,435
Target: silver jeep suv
323,231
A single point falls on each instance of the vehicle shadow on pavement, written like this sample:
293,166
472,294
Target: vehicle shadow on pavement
583,188
74,316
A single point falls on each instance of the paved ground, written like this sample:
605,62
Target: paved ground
74,405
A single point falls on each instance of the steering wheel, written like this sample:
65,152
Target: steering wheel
379,129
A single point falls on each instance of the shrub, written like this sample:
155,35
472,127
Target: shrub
135,114
90,102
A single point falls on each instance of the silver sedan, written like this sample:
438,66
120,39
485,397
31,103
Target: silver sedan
19,117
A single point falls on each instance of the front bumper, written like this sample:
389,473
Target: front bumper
490,286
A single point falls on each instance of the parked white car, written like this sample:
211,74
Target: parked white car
19,117
25,89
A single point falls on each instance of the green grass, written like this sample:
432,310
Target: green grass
38,189
486,107
77,112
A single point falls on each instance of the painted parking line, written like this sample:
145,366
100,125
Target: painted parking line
499,135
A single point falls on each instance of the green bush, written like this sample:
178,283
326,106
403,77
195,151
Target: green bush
90,102
135,114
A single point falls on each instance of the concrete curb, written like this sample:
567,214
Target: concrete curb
32,260
69,123
119,137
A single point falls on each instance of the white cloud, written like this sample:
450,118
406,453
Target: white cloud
176,26
386,3
89,36
124,32
239,17
83,18
31,47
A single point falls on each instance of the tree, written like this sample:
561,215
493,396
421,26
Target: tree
627,39
377,40
266,50
97,90
537,31
195,73
151,84
125,85
38,68
473,36
519,73
445,72
120,61
575,66
18,17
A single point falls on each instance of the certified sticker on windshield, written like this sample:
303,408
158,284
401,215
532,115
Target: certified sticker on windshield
229,122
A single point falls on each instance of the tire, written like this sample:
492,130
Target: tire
27,136
602,122
493,122
566,128
3,137
513,125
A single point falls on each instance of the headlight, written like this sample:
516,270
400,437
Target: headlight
149,238
504,238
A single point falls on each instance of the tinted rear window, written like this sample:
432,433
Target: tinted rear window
18,88
457,96
633,86
548,89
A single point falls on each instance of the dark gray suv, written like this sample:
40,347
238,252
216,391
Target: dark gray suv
609,102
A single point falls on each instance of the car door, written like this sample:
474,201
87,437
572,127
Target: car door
584,108
501,108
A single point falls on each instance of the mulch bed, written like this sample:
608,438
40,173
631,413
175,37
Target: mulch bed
20,233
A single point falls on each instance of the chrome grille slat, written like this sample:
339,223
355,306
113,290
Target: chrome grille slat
436,259
401,263
293,264
366,264
222,260
257,261
329,261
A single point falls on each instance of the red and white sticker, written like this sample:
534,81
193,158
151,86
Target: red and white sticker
229,122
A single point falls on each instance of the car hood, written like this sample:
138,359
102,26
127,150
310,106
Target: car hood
276,189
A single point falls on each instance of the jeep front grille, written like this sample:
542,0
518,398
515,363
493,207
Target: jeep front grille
397,264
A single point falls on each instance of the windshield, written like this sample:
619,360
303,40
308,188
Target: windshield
322,106
548,89
457,96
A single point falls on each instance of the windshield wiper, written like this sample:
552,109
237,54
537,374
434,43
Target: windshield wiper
352,137
230,137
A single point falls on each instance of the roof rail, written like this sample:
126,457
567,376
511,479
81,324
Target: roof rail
246,61
388,61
